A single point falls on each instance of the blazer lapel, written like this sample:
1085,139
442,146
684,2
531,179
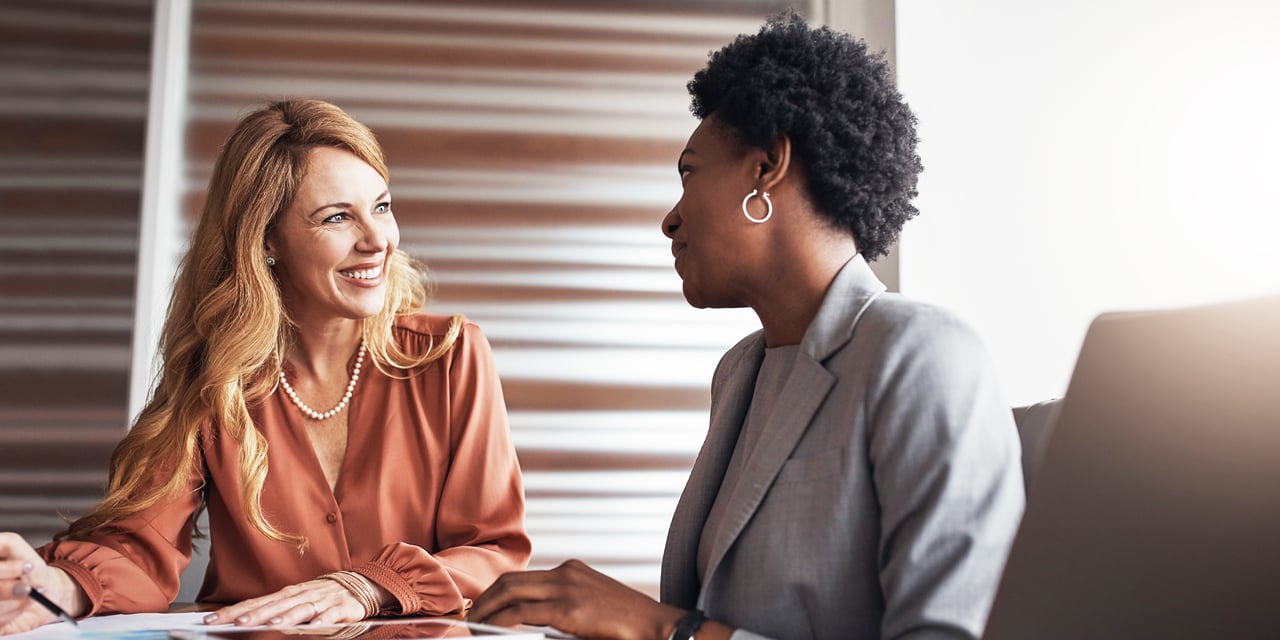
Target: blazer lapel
851,292
804,392
680,585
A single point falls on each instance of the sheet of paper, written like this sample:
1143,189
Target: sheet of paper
380,629
190,626
138,626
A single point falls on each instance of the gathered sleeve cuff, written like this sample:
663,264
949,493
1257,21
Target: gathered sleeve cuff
84,577
135,565
418,582
437,584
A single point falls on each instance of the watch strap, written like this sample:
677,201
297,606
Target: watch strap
688,625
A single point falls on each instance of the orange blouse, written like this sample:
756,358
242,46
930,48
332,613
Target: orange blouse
429,502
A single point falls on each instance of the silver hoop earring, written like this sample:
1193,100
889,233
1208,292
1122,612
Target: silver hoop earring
271,262
768,203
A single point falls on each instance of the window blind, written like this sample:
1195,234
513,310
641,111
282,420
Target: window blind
72,123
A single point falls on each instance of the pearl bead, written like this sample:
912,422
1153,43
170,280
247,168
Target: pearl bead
351,386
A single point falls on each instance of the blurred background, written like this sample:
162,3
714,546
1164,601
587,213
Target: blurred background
1080,157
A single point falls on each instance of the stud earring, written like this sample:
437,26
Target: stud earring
271,262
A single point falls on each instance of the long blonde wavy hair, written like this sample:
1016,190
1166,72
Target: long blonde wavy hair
227,326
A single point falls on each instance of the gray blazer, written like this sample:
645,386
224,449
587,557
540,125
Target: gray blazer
882,505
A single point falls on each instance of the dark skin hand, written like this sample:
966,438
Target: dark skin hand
579,600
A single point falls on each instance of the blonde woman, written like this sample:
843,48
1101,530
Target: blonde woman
353,452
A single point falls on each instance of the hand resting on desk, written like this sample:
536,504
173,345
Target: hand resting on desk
576,599
319,601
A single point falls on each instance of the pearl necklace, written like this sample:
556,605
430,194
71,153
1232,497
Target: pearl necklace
351,386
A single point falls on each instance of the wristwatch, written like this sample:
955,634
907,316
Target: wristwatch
688,625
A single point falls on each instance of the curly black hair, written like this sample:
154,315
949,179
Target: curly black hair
849,127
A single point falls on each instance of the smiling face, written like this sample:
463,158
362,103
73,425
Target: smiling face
334,242
713,243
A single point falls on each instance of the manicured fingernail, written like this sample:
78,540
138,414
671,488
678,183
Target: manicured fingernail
242,620
275,620
21,590
210,618
27,567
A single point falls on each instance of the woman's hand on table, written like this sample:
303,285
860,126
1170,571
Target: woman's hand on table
319,601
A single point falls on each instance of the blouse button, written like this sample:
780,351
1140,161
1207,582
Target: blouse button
331,517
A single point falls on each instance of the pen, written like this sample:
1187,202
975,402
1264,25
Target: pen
53,608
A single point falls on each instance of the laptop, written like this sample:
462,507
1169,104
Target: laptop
1156,508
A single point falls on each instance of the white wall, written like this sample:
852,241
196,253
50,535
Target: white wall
872,21
159,237
1086,156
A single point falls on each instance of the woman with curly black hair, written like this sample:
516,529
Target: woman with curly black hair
861,476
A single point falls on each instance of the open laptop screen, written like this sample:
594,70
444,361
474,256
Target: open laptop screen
1156,510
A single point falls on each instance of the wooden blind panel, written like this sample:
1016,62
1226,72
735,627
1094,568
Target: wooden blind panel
72,122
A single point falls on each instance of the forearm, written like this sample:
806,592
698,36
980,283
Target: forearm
73,598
